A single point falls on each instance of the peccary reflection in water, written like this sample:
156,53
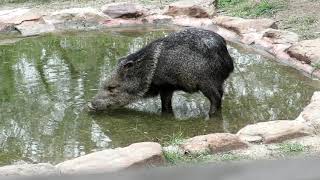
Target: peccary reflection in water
190,60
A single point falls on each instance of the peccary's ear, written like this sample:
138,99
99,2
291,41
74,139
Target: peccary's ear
128,64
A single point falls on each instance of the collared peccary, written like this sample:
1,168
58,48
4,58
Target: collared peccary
190,60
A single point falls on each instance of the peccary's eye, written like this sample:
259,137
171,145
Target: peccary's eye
110,88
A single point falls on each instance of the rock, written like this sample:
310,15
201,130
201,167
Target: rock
274,131
159,19
213,143
6,27
136,155
311,113
122,22
42,169
17,16
123,10
194,22
307,51
242,26
31,28
192,8
76,18
276,36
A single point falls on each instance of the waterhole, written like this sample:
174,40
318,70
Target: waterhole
46,81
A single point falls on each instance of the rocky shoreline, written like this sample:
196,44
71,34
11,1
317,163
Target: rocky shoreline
260,35
251,140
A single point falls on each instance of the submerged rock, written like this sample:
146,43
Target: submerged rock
242,26
192,8
136,155
213,143
123,10
307,51
42,169
274,131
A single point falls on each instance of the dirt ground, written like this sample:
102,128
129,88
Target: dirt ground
300,16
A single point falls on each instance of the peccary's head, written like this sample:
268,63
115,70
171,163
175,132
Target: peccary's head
117,90
129,81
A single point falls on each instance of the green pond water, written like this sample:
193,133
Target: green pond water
46,81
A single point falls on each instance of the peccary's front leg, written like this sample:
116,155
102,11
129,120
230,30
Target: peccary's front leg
166,101
214,94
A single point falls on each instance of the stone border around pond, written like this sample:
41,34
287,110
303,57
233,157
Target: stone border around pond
260,35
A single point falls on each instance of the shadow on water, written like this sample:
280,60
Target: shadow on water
46,82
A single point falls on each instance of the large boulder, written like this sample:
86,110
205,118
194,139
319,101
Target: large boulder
213,143
311,113
192,8
76,18
274,131
123,10
136,155
42,169
307,51
242,26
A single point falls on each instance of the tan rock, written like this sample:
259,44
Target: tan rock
136,155
6,27
123,10
307,51
276,36
159,19
192,8
19,15
219,142
274,131
194,22
311,113
242,26
31,28
76,14
42,169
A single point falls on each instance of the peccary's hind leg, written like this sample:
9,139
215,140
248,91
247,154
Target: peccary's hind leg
166,101
214,94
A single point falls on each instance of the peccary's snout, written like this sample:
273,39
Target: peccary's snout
97,105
